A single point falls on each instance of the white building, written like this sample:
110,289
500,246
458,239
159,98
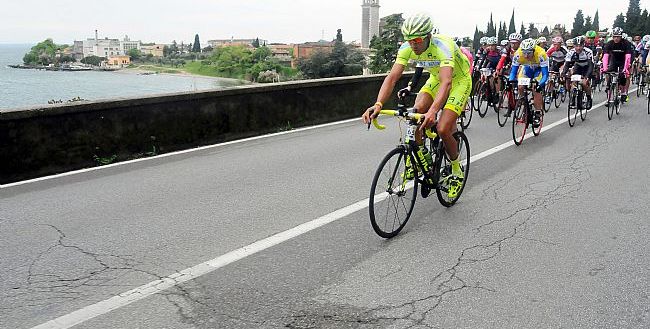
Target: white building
108,47
127,45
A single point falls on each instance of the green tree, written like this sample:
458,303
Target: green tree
632,18
256,43
503,33
512,28
619,21
588,25
261,54
386,45
43,53
545,32
135,54
533,32
476,39
596,24
491,28
93,60
578,24
343,60
173,49
522,30
339,35
196,46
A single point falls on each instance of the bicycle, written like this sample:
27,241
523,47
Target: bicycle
507,102
484,92
391,183
465,118
641,82
557,92
613,94
525,112
578,98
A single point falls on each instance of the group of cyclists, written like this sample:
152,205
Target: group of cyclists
453,70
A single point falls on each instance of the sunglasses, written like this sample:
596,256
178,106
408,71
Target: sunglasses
527,52
416,40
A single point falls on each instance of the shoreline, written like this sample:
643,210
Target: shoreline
138,70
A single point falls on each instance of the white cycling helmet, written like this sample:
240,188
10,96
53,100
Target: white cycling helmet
528,44
515,37
645,38
541,40
569,43
617,31
483,40
493,41
418,25
504,43
558,39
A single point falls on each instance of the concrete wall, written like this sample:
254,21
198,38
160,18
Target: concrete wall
44,141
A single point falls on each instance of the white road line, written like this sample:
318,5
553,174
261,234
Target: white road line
75,172
144,291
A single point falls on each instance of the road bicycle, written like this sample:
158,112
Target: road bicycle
393,192
577,100
524,114
484,93
613,94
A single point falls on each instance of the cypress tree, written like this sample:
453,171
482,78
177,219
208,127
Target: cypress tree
512,28
596,24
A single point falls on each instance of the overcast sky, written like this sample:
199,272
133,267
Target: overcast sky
30,21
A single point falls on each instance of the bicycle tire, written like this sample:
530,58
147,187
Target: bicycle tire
583,106
617,102
538,130
639,90
648,97
393,174
501,119
545,107
467,118
572,111
442,165
610,103
556,99
519,122
482,99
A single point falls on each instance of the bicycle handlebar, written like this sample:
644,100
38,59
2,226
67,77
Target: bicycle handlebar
412,116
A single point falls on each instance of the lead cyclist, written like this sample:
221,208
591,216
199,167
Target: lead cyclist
448,87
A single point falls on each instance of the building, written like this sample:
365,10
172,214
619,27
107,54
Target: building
155,50
127,44
282,52
306,50
120,60
235,42
369,21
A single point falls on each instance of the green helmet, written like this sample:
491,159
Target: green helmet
590,34
415,26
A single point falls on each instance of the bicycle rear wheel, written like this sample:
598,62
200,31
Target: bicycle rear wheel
519,122
538,130
442,166
466,116
583,105
482,100
610,102
572,111
391,203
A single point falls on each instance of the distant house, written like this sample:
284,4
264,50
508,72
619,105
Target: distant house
282,52
155,50
248,43
306,50
119,61
104,47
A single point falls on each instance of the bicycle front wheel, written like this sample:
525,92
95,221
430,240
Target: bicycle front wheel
482,100
519,122
573,110
442,166
610,102
391,202
504,106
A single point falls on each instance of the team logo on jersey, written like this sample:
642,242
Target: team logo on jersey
427,64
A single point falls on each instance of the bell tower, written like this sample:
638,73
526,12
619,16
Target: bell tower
369,21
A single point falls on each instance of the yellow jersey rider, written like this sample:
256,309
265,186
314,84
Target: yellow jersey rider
535,63
448,87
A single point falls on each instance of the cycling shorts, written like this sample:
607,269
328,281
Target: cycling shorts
555,66
582,70
614,66
531,72
458,95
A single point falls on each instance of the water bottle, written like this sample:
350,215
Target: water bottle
425,158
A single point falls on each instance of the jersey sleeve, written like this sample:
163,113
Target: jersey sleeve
543,59
446,48
404,54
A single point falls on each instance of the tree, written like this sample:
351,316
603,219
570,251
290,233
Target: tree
256,43
632,18
596,24
343,60
491,29
196,46
588,25
578,24
476,39
512,28
619,21
546,33
533,32
135,54
208,49
386,45
93,60
44,53
522,30
339,35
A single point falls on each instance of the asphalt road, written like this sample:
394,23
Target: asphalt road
552,233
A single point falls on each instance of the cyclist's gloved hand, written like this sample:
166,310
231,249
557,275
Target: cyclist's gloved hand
539,88
402,93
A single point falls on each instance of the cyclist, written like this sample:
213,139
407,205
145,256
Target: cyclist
569,44
593,42
557,55
541,41
617,55
646,46
447,89
581,59
492,57
535,66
